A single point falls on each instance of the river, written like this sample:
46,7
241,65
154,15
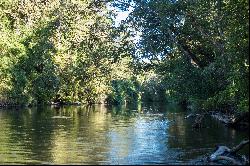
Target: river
139,134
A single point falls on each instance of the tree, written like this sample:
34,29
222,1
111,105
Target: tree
58,50
200,48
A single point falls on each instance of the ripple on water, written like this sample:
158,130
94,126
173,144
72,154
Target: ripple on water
95,136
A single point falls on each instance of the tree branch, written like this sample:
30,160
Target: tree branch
239,147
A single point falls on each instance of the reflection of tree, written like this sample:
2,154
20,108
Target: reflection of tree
176,130
29,135
41,136
99,134
5,138
82,138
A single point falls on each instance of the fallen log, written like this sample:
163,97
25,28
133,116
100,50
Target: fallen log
229,155
239,147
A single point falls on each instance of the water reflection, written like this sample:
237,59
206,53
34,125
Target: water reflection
139,134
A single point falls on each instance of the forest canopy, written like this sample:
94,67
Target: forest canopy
200,49
197,52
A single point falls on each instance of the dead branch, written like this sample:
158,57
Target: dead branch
239,147
198,121
227,154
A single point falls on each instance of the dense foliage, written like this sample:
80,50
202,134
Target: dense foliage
58,50
196,52
200,48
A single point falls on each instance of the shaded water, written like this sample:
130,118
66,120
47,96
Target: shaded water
143,134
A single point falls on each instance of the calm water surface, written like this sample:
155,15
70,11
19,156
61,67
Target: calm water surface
143,134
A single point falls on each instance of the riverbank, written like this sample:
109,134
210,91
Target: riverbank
238,120
10,105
